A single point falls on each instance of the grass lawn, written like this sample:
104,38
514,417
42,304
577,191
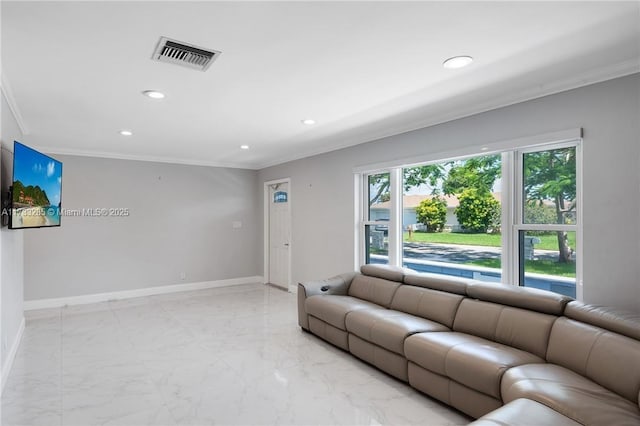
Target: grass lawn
536,266
548,242
491,240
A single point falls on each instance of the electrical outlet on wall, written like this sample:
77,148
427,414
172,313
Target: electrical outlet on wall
183,276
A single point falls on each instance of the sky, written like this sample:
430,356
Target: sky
32,168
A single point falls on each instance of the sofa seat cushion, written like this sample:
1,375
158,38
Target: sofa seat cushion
524,412
334,309
570,394
469,360
388,328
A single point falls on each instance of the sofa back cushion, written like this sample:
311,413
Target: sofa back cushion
531,299
434,305
519,328
388,272
609,359
621,322
477,318
526,330
373,289
441,282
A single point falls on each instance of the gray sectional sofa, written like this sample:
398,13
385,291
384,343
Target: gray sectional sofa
504,355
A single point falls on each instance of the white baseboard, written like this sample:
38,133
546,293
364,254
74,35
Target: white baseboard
30,305
11,356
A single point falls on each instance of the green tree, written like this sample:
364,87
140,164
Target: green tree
378,188
551,175
412,176
480,173
478,210
537,212
432,212
430,175
472,181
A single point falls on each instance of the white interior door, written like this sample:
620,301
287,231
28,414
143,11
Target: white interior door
279,234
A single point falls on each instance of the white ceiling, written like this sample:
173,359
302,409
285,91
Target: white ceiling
363,70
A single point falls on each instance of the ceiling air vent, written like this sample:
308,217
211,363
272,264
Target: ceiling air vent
187,55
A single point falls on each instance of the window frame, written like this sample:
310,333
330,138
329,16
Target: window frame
512,153
365,219
518,224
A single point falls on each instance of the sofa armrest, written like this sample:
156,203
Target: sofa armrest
338,285
335,285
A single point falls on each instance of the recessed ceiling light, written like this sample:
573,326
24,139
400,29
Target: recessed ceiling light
457,62
309,122
153,94
126,132
244,146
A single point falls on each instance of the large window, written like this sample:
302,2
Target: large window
547,222
378,214
451,217
511,216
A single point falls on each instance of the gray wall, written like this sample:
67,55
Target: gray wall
323,195
11,244
180,221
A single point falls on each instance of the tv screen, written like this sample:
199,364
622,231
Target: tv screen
36,194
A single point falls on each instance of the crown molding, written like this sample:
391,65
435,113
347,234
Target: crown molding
11,101
146,158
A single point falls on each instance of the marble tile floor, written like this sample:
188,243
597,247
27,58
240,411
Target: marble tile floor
225,356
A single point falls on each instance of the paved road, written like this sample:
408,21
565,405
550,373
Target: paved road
456,253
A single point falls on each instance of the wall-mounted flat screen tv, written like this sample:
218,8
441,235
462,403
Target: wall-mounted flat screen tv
36,194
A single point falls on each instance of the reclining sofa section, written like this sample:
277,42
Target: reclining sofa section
486,349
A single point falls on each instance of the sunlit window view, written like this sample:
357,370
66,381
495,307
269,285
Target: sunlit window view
451,218
548,256
452,212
